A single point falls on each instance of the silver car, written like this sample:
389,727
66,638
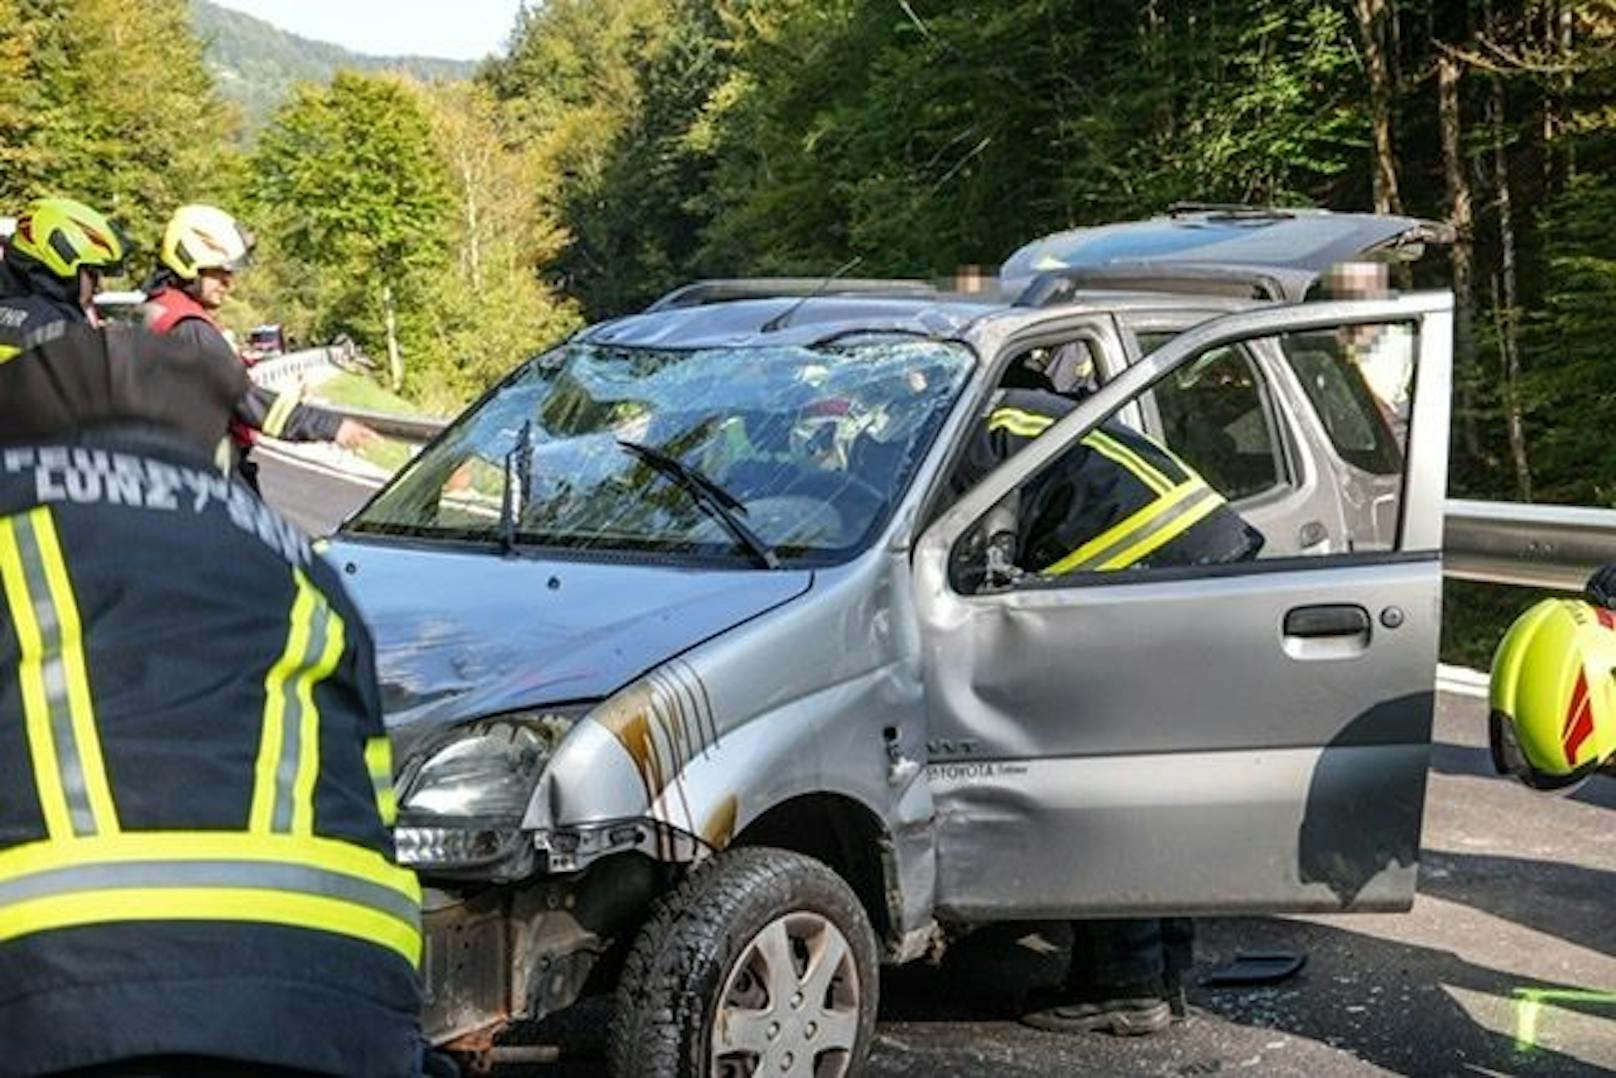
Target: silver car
702,685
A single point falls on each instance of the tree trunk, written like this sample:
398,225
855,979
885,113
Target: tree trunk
1462,216
1371,27
1505,298
474,241
1568,149
395,358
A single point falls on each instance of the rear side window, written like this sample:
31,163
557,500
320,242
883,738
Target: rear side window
1360,389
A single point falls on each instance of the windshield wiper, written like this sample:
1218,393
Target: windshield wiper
724,505
509,510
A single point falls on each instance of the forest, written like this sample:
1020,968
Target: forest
617,148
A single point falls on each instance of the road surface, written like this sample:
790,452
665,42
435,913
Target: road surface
1506,965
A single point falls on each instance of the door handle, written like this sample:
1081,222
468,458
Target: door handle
1331,619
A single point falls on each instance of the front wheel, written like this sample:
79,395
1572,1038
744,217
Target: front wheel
761,963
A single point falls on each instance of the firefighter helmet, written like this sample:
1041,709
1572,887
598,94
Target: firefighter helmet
1553,694
65,236
203,237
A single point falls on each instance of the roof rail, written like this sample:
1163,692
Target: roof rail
1206,279
1230,209
726,289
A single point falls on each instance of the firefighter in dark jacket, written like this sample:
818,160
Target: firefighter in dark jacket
203,249
1116,500
51,269
196,872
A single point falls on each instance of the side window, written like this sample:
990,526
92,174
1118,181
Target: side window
1217,412
1071,368
1119,500
1361,390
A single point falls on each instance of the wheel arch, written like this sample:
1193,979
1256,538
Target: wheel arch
846,836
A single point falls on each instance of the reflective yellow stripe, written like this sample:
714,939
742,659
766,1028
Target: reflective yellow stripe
379,762
9,352
1122,531
1190,473
288,764
81,705
211,904
1141,469
329,854
1021,423
1164,535
279,413
315,883
59,715
274,720
30,676
308,763
289,747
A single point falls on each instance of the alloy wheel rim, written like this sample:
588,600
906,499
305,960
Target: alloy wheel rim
790,1004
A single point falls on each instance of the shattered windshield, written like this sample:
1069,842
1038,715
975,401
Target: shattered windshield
814,445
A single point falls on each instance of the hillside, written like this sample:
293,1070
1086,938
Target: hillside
257,65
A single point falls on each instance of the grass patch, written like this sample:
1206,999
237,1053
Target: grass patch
387,455
345,390
1475,617
353,391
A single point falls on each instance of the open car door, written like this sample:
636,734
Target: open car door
1217,738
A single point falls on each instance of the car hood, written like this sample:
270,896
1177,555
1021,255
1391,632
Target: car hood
464,634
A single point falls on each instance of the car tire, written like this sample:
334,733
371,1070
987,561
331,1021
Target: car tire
762,961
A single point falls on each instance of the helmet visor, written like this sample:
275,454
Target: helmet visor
1510,759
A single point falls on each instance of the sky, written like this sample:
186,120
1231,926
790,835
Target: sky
454,29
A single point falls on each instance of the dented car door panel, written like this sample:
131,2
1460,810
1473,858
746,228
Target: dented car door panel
1239,738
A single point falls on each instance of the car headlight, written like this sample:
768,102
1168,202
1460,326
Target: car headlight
461,809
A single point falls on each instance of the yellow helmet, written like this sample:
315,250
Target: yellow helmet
65,236
1553,694
203,237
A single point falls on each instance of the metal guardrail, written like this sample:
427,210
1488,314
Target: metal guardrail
293,367
1535,546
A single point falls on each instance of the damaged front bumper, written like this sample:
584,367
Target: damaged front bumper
501,954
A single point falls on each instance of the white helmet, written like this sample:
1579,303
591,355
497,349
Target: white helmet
204,237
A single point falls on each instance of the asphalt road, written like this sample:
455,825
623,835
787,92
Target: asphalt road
1506,965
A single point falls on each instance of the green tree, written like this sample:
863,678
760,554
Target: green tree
111,103
492,309
352,200
604,96
1569,387
20,156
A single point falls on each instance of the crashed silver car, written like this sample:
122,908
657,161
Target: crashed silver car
702,685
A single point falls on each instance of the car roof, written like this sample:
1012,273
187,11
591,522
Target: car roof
788,320
1281,250
812,320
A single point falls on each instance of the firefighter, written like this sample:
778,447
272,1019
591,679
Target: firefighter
1552,718
1116,500
196,872
51,268
203,249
